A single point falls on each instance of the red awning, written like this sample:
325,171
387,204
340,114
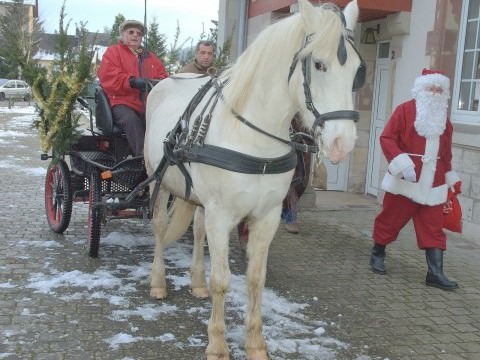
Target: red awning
369,9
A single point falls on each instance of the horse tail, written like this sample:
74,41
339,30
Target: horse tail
180,217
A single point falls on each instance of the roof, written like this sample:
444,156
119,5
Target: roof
49,41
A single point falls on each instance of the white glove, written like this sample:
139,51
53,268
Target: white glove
409,174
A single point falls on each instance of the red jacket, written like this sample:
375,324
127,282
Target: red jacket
119,64
403,146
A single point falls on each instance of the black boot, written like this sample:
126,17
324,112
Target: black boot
377,259
435,276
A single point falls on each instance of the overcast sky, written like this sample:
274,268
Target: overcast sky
193,15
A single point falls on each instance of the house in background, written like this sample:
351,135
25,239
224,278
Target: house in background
30,5
397,38
46,54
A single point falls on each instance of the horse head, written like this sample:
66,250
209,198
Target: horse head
331,68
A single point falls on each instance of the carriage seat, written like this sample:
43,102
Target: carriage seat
103,114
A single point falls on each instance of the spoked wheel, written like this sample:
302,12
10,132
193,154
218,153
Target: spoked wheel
58,196
94,214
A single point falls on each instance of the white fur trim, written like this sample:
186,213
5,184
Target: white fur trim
451,177
432,79
399,163
415,191
421,192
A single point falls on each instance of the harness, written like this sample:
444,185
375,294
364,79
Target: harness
183,145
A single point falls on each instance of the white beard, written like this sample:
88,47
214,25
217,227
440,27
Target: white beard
431,115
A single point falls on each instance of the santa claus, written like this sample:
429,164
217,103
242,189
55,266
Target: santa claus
417,143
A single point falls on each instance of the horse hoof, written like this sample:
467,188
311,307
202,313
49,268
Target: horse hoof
218,357
158,293
257,355
200,292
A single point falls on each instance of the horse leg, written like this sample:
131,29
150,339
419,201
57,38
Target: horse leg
197,268
218,241
261,234
167,230
158,284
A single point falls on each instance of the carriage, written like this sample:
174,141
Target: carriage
99,170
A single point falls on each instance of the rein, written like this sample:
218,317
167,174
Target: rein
295,144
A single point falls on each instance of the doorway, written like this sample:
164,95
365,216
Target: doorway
380,115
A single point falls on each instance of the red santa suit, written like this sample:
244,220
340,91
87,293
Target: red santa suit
418,134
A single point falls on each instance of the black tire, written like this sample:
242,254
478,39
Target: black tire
2,96
94,214
58,196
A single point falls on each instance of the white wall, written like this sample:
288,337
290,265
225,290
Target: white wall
411,49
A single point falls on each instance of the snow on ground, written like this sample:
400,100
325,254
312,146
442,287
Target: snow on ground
18,127
18,110
287,330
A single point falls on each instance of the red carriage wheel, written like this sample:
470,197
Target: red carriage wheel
58,196
94,214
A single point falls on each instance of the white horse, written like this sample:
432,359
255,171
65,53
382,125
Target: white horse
233,143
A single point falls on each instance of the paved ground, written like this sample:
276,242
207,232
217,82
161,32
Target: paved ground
321,302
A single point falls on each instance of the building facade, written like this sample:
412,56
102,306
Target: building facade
397,39
30,6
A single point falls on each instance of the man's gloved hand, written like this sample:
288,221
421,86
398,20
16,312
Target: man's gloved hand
139,83
457,187
409,174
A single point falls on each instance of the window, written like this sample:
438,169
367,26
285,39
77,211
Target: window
465,105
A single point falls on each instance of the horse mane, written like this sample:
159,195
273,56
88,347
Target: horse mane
272,52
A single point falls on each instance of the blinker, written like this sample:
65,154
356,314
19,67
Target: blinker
360,76
342,51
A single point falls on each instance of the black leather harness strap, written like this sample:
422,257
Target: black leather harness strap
237,162
334,115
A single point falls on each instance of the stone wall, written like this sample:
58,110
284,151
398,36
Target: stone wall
466,162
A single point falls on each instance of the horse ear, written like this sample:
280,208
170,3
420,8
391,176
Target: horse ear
308,13
351,14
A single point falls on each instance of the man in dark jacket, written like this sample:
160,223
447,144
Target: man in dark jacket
204,56
124,74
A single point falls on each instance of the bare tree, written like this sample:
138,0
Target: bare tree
20,36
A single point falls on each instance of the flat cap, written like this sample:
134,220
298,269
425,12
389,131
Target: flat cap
131,23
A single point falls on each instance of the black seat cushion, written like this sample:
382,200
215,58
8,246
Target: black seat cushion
103,114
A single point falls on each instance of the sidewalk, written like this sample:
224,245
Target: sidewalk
321,301
394,316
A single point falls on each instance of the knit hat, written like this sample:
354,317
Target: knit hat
131,23
432,77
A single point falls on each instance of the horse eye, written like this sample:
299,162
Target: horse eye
320,66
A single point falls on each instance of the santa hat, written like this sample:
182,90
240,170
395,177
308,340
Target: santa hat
429,78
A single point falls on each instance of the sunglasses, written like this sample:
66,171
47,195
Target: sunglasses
134,32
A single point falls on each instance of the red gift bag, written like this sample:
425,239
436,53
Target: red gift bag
453,213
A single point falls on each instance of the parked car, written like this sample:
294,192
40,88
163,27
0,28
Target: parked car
16,89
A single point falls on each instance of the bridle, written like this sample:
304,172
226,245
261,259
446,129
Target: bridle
306,71
320,119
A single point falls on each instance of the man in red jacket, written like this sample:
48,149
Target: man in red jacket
124,74
417,143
